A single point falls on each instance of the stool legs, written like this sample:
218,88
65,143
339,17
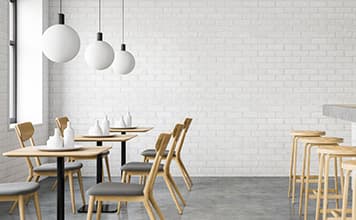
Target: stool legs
291,169
302,181
326,186
345,194
307,182
320,178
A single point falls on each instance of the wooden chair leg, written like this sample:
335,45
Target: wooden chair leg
108,167
37,179
123,177
301,191
90,207
326,187
345,195
175,187
149,209
98,210
173,195
118,207
37,206
72,195
320,182
291,169
22,207
14,204
156,207
81,188
185,178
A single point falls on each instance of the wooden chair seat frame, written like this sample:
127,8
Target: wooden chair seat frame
21,200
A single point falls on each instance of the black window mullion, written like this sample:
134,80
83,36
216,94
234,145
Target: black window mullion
13,47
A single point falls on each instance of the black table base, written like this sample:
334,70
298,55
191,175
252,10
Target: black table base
106,208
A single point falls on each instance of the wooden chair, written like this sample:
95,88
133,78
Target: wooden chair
62,124
348,166
296,135
143,169
128,192
24,133
149,154
19,192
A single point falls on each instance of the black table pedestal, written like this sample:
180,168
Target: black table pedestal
60,188
106,208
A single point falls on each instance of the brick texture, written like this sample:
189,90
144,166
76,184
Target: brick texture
247,71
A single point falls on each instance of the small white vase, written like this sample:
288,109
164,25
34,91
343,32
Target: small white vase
122,122
128,119
96,130
105,126
57,138
68,134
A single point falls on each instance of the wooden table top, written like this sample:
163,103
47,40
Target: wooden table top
116,138
132,130
35,152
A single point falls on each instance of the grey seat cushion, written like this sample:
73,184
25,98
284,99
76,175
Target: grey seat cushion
116,189
152,153
48,167
20,188
139,166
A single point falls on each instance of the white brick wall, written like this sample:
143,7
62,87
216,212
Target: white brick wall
13,169
247,71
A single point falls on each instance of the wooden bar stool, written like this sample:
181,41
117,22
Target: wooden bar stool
293,160
326,153
306,178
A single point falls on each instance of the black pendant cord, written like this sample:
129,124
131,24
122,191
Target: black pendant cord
99,35
60,15
123,47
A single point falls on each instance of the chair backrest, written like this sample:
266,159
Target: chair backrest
176,134
187,123
161,146
62,123
24,132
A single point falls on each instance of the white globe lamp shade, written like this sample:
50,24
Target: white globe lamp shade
99,55
124,62
61,43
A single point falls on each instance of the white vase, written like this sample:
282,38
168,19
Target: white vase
68,134
128,119
105,126
96,130
122,122
57,138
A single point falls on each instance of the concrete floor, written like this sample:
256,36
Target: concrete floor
245,198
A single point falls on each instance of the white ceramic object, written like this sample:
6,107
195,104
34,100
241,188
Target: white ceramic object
105,126
122,123
128,120
95,130
51,149
68,136
55,141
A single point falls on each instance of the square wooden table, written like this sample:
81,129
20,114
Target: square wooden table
82,152
117,138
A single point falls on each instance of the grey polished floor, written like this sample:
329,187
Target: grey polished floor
245,198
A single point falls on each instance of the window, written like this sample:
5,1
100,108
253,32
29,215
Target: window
13,61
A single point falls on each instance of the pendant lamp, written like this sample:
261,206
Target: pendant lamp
124,61
99,55
61,42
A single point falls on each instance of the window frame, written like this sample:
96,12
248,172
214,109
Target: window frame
13,61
